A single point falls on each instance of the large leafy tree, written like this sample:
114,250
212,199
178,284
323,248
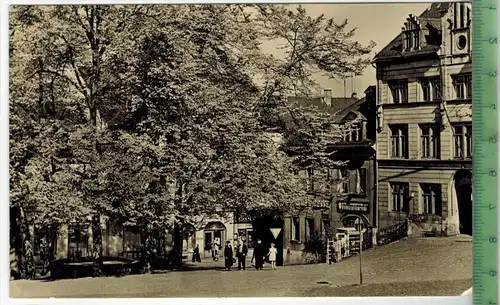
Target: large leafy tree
157,113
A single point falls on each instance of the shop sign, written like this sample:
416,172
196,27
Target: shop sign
356,207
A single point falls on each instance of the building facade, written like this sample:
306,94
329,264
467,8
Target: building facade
357,151
424,127
354,181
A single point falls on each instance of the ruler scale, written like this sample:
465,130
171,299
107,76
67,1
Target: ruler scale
486,140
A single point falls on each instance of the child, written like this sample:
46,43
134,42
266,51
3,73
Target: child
272,256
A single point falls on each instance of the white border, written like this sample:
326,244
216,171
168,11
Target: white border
10,2
467,300
4,176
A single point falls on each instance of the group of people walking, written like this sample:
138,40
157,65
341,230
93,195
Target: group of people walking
241,252
259,255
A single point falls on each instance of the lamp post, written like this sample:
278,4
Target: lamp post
360,228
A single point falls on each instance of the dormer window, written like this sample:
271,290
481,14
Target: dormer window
354,127
354,132
461,15
411,32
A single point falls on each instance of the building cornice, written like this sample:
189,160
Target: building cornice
426,164
419,104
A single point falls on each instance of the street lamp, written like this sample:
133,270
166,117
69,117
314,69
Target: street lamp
359,225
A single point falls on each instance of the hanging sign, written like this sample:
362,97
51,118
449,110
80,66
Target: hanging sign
275,231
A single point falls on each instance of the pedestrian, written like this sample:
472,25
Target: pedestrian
228,256
272,256
241,253
258,255
215,251
196,254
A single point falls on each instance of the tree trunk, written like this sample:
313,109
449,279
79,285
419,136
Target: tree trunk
93,117
177,238
97,245
25,260
16,241
148,249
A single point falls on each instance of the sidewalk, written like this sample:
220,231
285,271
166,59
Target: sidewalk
413,267
209,264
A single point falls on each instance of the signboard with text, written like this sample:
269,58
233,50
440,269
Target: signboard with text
356,207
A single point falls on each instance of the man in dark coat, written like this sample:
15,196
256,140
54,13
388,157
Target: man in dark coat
228,256
241,253
196,254
258,254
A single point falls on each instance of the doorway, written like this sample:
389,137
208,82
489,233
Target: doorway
262,230
463,189
214,234
189,238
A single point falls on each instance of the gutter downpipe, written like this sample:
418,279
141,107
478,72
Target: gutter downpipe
375,165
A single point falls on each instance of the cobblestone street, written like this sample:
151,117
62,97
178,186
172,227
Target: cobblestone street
433,266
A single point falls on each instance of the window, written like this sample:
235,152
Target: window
399,91
325,225
412,34
407,41
462,141
463,86
41,242
399,196
77,241
426,90
462,42
430,142
362,181
353,181
345,180
309,227
399,141
431,198
353,132
431,89
461,15
295,229
250,238
416,39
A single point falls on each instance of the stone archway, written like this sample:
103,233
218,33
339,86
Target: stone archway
463,193
348,218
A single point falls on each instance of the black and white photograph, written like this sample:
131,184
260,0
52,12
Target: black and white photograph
240,150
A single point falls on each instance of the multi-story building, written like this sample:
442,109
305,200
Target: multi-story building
357,151
356,192
424,131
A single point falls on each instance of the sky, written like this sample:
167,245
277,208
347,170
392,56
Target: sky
377,22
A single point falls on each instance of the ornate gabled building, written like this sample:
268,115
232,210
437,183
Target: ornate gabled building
424,128
356,194
357,151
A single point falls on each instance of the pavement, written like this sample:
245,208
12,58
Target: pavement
415,267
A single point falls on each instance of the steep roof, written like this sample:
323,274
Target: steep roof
395,47
436,10
315,102
352,108
338,103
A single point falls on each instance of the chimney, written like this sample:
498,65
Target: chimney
354,95
327,96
